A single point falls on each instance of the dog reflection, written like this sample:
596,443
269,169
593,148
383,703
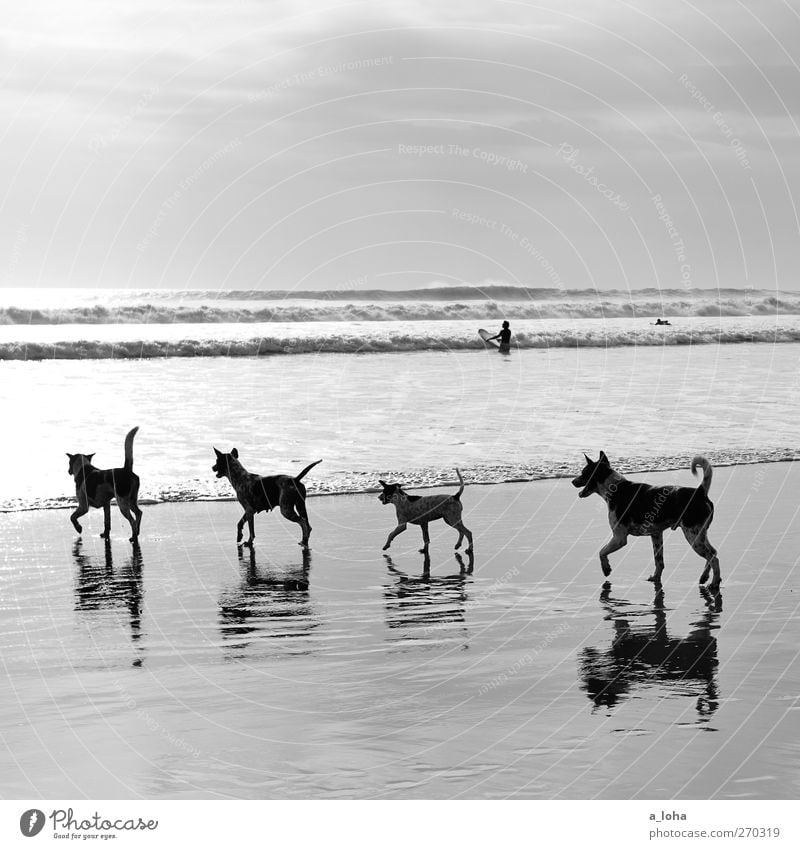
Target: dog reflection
650,655
101,588
427,608
268,604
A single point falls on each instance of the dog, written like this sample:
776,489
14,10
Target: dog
96,487
420,510
642,510
256,493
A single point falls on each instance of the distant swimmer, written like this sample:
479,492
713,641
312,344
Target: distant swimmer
662,321
505,338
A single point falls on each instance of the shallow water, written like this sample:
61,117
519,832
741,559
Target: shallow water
194,670
497,418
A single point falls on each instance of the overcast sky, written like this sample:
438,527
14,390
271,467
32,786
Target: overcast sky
568,143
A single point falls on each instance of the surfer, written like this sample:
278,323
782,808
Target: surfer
505,338
662,321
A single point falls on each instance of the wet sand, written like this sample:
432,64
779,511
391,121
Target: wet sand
192,669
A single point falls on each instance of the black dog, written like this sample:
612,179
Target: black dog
96,487
643,510
256,493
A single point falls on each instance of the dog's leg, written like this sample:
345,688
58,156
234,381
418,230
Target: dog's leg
81,510
290,511
125,509
426,538
300,506
251,524
239,526
106,521
658,555
618,541
463,531
398,530
138,513
698,539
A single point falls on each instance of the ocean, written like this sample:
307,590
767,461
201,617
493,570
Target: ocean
190,667
393,384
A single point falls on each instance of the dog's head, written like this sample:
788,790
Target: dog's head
391,492
222,466
593,473
78,461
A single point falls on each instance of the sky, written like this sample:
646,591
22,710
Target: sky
358,145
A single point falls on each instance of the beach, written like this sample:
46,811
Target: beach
193,669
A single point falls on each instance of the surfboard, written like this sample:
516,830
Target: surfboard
486,336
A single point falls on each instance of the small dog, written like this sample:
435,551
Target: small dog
420,510
643,510
256,493
96,487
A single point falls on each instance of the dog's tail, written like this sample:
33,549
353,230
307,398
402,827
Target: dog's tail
461,488
707,472
129,450
305,471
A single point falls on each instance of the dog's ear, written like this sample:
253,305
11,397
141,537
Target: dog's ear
234,454
70,455
383,483
89,457
217,451
588,459
603,458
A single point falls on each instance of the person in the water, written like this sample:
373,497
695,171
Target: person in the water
504,336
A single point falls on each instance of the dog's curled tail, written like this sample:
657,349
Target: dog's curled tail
307,470
129,450
707,472
461,488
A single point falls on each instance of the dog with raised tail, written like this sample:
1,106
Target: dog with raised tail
257,493
423,509
639,509
96,487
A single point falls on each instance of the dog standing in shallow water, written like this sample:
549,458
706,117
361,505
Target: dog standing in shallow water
256,493
420,510
96,487
643,510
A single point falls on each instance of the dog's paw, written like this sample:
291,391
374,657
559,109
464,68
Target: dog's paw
386,547
606,569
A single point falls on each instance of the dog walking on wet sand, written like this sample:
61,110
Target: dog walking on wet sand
420,510
643,510
96,487
256,493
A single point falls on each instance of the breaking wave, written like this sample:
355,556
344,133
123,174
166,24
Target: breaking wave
438,304
387,339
